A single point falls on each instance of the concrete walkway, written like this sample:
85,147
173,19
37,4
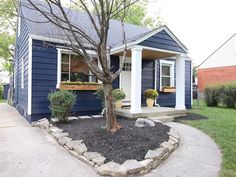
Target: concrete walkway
30,152
197,156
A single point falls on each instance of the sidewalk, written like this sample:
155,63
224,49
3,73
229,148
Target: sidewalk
197,156
29,152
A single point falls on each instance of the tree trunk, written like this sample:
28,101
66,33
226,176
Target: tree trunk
112,125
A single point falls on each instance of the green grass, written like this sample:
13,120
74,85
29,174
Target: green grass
221,126
3,101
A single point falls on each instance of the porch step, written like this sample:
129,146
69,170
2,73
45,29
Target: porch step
164,119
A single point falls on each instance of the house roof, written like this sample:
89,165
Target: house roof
38,25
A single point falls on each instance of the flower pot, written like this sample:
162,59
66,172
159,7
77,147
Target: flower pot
149,102
118,104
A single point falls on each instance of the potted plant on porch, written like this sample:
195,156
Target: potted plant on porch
118,95
150,96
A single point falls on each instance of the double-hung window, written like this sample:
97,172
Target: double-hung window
166,74
73,69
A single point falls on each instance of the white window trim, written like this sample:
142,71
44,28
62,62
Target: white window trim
30,77
19,26
22,73
59,53
172,72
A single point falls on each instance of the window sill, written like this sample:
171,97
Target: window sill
81,86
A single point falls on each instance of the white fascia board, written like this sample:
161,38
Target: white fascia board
30,77
131,44
50,39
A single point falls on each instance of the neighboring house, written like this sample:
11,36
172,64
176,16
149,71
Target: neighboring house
155,58
220,66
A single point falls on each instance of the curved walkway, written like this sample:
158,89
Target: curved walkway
27,151
197,156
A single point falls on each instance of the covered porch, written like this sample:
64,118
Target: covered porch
160,44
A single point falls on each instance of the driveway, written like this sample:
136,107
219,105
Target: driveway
29,152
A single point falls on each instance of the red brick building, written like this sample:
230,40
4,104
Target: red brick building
220,66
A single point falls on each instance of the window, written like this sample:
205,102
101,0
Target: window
22,73
126,67
166,73
73,69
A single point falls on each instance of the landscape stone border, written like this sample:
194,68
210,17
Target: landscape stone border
77,148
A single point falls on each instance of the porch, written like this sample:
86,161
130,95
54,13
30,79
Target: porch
158,45
166,114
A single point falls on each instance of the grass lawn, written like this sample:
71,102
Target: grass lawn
3,101
221,126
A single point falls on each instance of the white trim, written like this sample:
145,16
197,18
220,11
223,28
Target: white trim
155,78
22,73
19,26
51,39
191,80
136,80
172,72
30,77
146,36
58,68
180,83
161,50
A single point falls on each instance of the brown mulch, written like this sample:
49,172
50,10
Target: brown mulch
190,116
128,143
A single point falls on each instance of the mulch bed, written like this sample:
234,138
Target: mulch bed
128,143
190,116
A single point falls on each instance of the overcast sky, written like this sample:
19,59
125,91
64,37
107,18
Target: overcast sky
201,25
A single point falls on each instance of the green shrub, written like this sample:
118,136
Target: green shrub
212,95
221,94
1,91
100,96
228,95
150,93
118,94
61,103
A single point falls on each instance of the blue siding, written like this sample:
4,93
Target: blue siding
44,80
162,40
44,77
115,65
168,99
188,84
147,76
21,52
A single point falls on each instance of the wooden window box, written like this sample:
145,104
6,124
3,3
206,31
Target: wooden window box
168,90
79,87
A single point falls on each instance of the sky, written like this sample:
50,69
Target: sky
201,25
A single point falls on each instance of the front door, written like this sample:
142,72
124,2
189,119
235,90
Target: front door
126,80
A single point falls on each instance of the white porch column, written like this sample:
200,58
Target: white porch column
136,79
180,83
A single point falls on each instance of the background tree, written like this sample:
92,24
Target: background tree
99,12
8,17
137,14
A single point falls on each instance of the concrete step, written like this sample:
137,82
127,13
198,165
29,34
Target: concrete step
164,119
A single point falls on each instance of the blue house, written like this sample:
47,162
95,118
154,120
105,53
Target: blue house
155,59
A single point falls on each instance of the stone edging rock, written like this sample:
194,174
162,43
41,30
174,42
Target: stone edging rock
78,149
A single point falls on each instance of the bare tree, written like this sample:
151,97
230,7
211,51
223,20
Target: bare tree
99,12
